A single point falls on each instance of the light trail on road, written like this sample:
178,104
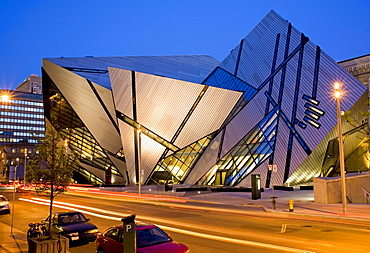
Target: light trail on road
129,195
83,209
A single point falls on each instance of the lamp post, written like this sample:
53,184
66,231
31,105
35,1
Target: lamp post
338,94
25,166
14,179
2,165
138,131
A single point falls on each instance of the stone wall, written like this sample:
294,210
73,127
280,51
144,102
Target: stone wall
329,190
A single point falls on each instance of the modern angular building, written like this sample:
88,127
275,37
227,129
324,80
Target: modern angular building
267,109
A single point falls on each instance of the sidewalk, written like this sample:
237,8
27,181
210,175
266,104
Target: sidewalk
12,243
303,203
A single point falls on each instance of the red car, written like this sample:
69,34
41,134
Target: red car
149,239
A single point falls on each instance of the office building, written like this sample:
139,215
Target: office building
21,118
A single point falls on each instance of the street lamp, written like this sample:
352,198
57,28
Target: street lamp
25,166
5,97
338,94
138,132
14,179
2,164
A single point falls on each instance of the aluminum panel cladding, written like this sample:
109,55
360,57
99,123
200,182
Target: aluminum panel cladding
83,100
311,167
151,151
329,72
191,68
127,139
256,54
243,122
106,96
208,115
122,90
163,103
122,168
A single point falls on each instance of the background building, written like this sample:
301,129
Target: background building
21,117
359,67
193,120
32,84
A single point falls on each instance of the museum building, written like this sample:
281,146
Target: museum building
268,109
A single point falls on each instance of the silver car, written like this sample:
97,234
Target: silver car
4,205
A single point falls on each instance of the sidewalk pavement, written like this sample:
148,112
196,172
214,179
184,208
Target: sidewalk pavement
303,205
12,243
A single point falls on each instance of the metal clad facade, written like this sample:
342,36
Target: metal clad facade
127,139
163,103
213,108
85,103
121,83
192,68
296,101
255,67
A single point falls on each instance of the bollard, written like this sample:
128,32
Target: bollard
291,205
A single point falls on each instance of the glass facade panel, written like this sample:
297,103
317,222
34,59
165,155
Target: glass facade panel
251,151
176,167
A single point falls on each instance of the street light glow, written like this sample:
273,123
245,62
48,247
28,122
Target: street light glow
5,97
336,86
337,92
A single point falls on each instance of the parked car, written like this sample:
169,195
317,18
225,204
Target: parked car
149,239
4,205
73,225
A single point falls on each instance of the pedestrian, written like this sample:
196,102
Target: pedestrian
274,202
291,205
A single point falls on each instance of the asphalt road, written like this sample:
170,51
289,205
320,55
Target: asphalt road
204,227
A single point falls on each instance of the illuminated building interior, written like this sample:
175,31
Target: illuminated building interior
66,121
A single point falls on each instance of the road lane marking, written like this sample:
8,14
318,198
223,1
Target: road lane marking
182,231
283,228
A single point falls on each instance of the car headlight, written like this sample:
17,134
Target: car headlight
93,231
7,206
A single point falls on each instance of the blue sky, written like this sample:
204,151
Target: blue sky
34,29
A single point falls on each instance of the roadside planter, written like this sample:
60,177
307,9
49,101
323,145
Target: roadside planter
43,245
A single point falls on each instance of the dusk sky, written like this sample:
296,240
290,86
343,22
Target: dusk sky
34,29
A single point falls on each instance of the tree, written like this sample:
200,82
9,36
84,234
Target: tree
52,167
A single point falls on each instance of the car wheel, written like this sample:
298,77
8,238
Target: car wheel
100,250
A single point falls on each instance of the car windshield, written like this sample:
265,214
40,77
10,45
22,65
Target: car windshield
151,236
3,199
71,218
